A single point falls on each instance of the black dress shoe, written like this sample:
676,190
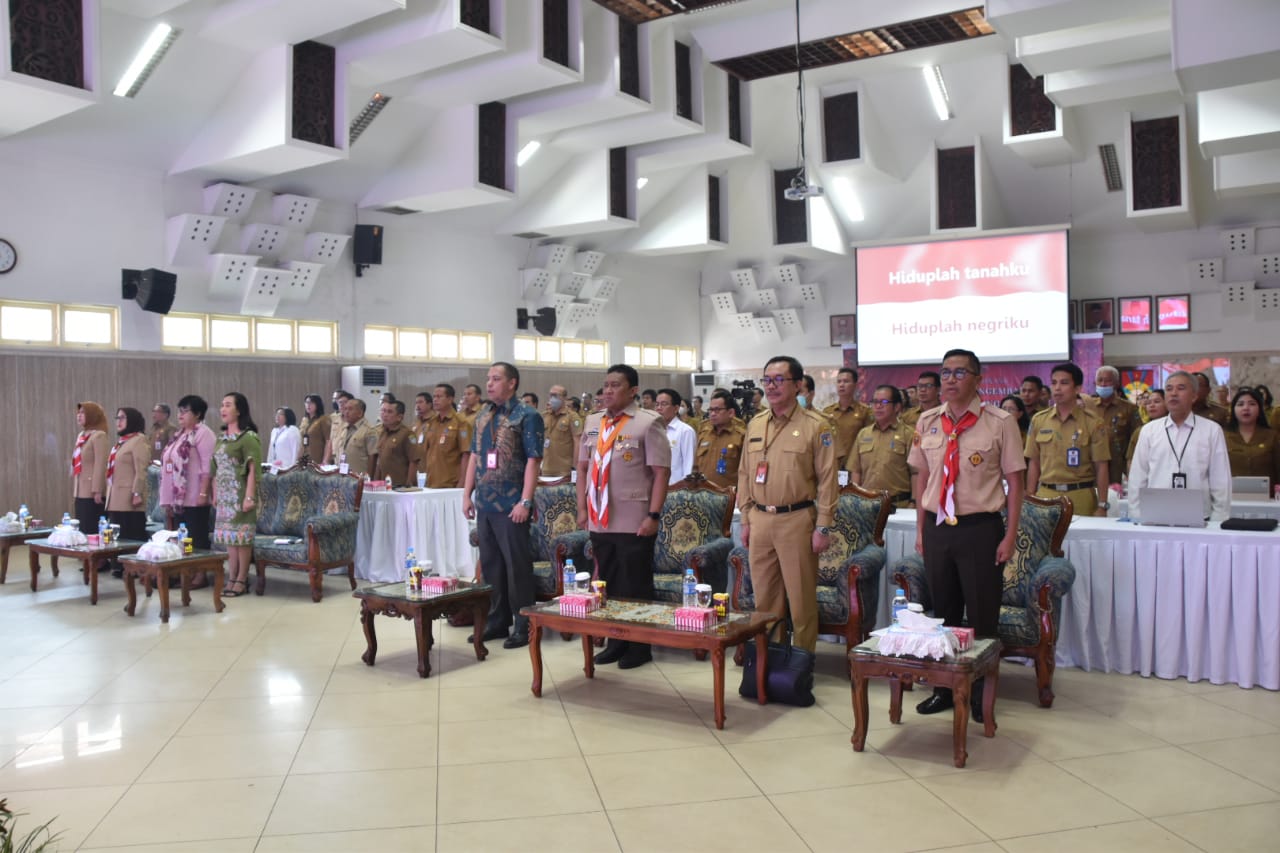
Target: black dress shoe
515,641
117,571
491,633
937,703
637,654
613,652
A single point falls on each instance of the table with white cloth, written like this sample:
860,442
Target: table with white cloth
430,520
1240,508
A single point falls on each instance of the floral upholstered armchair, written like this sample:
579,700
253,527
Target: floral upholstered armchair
317,511
848,571
556,536
1035,581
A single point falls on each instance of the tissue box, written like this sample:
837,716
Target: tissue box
695,618
578,605
438,586
964,638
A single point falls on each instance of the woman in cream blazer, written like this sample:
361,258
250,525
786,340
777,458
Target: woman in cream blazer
89,466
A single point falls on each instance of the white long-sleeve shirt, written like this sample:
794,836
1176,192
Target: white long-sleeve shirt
684,443
1203,450
284,446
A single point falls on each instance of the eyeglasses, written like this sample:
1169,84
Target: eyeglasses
714,409
770,381
878,402
924,385
957,374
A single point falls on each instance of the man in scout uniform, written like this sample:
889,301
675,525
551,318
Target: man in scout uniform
162,432
787,489
720,441
847,414
927,387
395,457
446,441
878,459
624,462
962,451
1120,418
563,429
1067,447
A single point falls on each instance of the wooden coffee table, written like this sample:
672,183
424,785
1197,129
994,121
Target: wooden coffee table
390,599
157,573
651,622
7,540
92,557
959,673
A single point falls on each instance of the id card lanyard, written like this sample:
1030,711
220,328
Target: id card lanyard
1180,478
491,458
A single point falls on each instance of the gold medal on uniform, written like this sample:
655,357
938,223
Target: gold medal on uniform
627,457
796,433
952,521
762,471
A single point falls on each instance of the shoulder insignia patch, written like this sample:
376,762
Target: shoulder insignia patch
826,439
915,440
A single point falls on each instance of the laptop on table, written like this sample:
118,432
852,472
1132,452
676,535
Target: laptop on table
1172,507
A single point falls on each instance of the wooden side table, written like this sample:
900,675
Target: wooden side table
92,557
156,573
8,540
389,599
958,673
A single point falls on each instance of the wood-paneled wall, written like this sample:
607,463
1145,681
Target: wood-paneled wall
44,388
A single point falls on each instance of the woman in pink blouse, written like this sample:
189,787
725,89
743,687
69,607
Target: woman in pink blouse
184,475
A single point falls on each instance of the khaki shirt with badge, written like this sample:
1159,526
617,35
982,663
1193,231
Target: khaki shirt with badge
1052,439
359,443
159,440
1121,420
1258,457
878,459
562,432
847,423
395,452
787,461
990,450
444,442
712,444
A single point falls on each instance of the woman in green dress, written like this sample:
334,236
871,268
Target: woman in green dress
234,474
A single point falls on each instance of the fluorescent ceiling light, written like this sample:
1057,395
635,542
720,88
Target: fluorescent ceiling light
146,60
527,152
937,91
640,182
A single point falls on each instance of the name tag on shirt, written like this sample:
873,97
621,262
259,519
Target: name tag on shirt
1179,480
344,468
762,472
159,445
491,460
1073,457
168,467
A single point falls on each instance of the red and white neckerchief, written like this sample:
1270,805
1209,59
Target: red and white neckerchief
76,462
598,482
951,463
111,460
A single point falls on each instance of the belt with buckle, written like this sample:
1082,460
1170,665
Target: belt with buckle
774,510
1069,487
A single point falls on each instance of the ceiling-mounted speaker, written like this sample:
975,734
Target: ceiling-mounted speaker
129,283
368,244
543,320
155,290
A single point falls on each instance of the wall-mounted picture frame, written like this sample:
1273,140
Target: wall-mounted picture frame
844,330
1135,315
1098,315
1073,316
1173,313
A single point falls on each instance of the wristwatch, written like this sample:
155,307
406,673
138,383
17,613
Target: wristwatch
527,504
825,531
656,516
1104,505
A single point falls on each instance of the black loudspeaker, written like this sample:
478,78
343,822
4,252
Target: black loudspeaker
368,245
155,290
129,283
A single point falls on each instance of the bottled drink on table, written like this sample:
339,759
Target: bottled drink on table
66,519
570,577
899,603
410,561
102,529
690,588
24,517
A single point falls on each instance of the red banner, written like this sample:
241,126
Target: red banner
1173,313
1135,314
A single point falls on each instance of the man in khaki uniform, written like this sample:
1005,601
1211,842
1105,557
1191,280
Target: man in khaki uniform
162,432
719,447
847,415
421,415
1067,447
878,458
395,457
1203,407
927,387
1120,418
959,532
355,444
787,489
563,430
471,401
446,444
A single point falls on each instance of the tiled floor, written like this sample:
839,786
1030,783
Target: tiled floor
260,729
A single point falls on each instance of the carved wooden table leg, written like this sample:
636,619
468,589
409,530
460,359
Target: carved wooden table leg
370,638
91,572
186,588
422,630
860,710
53,565
960,721
130,587
989,701
717,673
219,573
762,666
895,700
4,560
479,613
33,560
535,655
588,657
162,583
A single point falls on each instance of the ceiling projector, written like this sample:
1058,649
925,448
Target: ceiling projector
799,191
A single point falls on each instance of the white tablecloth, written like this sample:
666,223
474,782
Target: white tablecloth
1239,508
431,521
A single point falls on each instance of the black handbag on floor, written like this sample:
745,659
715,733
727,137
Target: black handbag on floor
789,677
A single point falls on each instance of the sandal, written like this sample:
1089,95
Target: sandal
230,592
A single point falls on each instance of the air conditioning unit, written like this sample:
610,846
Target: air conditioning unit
367,382
703,385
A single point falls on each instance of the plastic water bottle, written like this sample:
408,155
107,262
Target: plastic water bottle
182,536
899,603
570,578
102,526
66,519
722,464
690,588
24,517
410,560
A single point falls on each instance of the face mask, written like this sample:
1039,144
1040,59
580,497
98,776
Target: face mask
555,403
802,400
1105,391
683,411
335,406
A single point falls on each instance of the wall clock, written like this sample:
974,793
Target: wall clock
8,256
